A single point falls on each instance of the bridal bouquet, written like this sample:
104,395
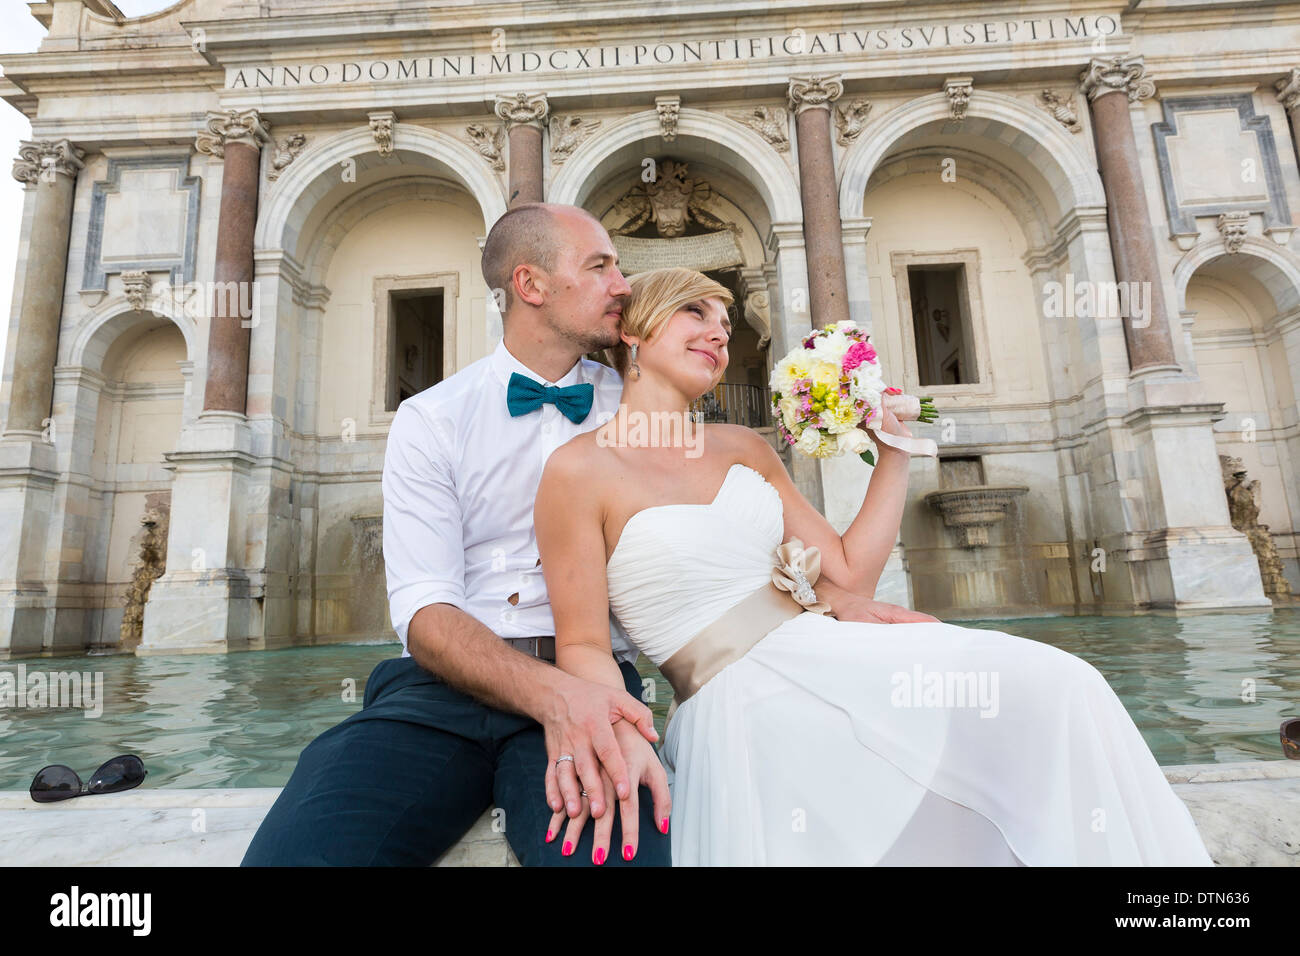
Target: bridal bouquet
823,391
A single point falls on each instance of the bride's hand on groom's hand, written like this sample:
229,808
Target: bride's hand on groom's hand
645,769
580,725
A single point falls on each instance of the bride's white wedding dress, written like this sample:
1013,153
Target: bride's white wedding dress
826,743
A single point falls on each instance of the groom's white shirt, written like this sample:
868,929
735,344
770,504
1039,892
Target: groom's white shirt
460,476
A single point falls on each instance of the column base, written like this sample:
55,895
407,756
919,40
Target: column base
198,612
27,479
1197,569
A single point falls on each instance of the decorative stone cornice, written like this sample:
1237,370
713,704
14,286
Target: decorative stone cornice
1288,89
1061,106
47,159
567,134
1117,74
668,108
382,123
521,109
958,90
813,92
232,126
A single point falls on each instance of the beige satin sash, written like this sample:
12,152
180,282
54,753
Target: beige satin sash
729,637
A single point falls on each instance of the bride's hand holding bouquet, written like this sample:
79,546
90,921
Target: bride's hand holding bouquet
829,398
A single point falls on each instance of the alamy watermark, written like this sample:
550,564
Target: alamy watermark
922,688
657,429
1102,300
45,689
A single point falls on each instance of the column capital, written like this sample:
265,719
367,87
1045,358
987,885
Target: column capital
47,159
1288,89
1117,74
232,126
522,109
814,92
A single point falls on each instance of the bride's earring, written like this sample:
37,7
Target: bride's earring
635,368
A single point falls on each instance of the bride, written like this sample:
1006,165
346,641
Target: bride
798,738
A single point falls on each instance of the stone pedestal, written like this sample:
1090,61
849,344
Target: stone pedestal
28,474
204,602
1192,558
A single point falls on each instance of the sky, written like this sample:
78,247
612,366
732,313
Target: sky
20,33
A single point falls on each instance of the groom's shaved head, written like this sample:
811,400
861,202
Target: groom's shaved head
530,233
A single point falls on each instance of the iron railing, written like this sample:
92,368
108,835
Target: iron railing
748,405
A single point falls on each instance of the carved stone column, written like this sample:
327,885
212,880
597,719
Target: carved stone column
29,462
828,292
1111,84
236,137
524,116
50,168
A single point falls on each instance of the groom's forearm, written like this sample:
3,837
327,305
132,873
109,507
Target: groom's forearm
469,656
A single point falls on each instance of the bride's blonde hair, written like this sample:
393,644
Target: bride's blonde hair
656,296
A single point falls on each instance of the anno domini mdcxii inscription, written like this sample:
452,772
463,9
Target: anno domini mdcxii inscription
496,59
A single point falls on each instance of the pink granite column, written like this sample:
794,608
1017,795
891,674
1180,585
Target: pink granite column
51,169
1111,84
828,292
524,116
236,137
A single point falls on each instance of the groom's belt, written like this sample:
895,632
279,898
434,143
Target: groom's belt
542,647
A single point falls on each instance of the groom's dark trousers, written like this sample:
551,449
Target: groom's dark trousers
405,777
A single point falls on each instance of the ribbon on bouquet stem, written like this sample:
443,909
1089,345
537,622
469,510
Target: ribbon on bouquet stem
906,408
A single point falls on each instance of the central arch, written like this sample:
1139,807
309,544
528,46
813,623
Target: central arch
715,136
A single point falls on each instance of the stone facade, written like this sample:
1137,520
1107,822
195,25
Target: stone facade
219,241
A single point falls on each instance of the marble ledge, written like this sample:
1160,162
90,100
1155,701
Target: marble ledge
1248,814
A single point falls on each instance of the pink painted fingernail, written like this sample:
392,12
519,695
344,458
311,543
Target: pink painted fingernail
663,825
568,847
600,856
627,852
549,835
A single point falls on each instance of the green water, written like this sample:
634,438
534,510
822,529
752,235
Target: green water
240,720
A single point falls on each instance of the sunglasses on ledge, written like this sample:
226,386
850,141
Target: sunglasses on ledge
57,782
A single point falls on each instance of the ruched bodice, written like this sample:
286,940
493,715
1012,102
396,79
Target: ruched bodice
661,590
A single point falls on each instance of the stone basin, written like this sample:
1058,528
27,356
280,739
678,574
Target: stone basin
972,510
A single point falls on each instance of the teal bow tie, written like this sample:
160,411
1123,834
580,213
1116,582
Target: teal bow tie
525,395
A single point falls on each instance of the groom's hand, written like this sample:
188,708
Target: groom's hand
580,725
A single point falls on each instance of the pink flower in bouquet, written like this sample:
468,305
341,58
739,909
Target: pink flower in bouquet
858,353
809,342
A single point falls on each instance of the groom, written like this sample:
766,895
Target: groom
474,711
